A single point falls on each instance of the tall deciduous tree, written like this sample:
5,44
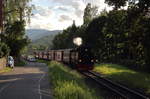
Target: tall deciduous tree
61,40
18,10
17,13
89,13
116,3
15,38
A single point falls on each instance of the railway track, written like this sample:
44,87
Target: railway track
121,91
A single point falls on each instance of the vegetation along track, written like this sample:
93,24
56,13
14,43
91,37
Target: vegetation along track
121,91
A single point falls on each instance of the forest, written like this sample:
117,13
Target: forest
118,36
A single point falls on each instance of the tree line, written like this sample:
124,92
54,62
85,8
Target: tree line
118,36
16,14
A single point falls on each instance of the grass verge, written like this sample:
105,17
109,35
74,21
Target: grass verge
43,61
7,69
126,76
68,84
20,63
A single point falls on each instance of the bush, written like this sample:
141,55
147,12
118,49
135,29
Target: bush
4,49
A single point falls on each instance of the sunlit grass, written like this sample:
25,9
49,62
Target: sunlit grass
68,84
126,76
7,69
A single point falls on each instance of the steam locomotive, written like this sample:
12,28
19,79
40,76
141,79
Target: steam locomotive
79,58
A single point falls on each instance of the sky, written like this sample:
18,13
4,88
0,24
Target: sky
59,14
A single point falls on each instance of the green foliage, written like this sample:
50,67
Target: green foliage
43,61
142,5
116,3
46,41
65,39
89,13
4,50
69,84
17,9
15,37
20,63
16,13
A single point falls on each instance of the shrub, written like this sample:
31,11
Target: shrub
4,49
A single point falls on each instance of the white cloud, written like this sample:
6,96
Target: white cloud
43,11
63,8
39,21
64,18
59,14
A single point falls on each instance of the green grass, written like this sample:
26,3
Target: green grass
68,84
43,61
20,63
126,76
7,69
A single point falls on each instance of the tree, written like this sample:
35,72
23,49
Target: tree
143,5
143,35
17,13
89,13
15,38
61,40
18,10
4,50
116,3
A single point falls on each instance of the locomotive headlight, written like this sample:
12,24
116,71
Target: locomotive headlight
80,60
96,60
92,60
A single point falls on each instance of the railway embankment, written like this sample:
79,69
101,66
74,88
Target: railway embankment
69,84
137,80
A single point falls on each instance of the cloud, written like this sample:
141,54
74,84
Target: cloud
77,5
62,8
64,18
39,21
43,11
59,14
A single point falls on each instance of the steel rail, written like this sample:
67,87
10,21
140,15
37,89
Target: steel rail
121,90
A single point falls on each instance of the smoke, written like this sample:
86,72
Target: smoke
77,41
